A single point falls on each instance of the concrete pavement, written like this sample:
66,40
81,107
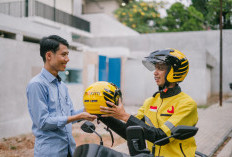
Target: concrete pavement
215,125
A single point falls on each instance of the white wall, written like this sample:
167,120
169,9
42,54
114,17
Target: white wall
16,70
76,90
213,47
107,7
139,83
25,27
208,81
103,25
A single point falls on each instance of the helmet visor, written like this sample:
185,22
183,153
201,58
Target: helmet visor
150,63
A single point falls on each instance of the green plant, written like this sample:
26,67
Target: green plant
181,18
140,16
13,147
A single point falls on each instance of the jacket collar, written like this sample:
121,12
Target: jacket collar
169,93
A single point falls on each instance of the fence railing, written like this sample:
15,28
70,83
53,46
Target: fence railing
18,9
50,13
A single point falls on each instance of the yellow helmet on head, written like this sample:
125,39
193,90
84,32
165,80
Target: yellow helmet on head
179,65
97,94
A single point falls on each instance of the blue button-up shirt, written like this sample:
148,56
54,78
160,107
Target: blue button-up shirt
49,106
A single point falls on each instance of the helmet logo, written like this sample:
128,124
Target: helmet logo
92,93
171,111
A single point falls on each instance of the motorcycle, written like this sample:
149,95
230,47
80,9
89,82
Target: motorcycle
135,141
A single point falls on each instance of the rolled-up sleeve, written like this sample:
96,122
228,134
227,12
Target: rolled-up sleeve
38,108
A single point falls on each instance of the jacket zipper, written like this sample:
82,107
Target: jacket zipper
158,123
182,149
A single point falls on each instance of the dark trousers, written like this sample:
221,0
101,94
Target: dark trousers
69,154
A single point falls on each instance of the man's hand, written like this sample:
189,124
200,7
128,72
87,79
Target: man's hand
115,111
87,116
82,115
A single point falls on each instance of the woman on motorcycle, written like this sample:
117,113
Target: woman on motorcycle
167,108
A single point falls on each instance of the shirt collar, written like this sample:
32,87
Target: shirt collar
48,75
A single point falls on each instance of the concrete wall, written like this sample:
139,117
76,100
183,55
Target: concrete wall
139,83
24,27
194,45
212,44
103,6
16,70
103,25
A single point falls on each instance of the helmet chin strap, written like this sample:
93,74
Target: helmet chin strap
165,87
161,89
167,83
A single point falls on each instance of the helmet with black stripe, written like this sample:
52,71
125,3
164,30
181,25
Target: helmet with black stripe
177,62
97,94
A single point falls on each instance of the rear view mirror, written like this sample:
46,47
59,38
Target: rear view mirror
136,141
88,127
180,132
183,132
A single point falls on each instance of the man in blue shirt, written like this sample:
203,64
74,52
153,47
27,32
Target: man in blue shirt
49,103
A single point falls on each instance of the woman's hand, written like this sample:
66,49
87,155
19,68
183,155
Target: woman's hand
115,111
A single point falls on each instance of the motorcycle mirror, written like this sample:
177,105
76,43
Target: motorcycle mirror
88,127
183,132
136,140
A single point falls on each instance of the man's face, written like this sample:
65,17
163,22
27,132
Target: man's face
159,73
59,59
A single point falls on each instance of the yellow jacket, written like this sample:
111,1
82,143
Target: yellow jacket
166,113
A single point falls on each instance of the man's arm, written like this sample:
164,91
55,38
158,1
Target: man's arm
37,104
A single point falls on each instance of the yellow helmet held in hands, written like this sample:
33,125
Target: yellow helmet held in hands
97,94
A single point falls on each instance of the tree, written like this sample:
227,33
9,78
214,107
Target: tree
140,16
181,18
201,6
213,16
211,11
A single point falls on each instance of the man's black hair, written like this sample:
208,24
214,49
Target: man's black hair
51,43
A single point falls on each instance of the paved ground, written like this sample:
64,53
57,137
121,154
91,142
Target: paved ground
215,125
